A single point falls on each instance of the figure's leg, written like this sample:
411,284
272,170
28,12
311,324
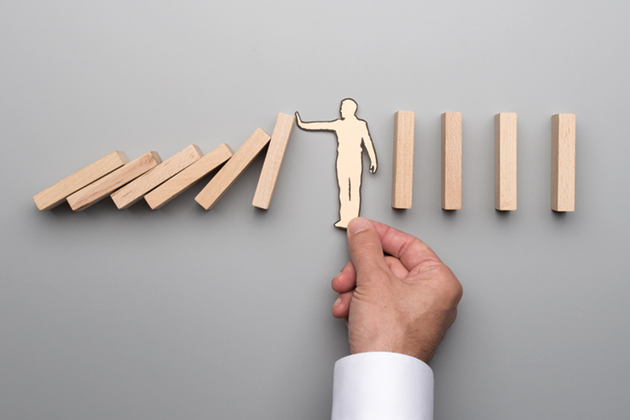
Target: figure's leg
344,199
349,196
354,204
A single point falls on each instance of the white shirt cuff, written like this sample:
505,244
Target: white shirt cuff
382,386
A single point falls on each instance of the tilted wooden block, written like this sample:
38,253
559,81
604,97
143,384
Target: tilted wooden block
505,161
563,162
402,183
452,160
187,178
135,191
100,189
56,194
273,161
232,170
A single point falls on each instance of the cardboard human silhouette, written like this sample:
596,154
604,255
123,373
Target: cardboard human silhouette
352,135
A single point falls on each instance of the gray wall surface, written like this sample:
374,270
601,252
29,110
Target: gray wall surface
186,314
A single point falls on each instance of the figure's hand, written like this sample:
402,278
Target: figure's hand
298,120
402,303
373,167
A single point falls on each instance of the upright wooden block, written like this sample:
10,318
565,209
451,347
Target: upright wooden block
273,161
505,161
402,182
563,162
56,194
135,191
100,189
233,169
186,178
452,160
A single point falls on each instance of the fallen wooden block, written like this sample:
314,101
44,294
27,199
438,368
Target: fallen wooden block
135,191
505,161
57,194
232,170
186,178
402,182
563,162
100,189
452,160
273,161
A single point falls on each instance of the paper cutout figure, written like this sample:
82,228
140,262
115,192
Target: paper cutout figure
352,134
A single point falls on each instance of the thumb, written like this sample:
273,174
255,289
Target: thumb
364,244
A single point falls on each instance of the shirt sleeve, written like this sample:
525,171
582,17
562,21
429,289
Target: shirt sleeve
382,386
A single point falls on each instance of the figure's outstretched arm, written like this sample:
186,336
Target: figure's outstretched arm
314,126
369,146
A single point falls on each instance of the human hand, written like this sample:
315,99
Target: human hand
373,167
298,119
401,303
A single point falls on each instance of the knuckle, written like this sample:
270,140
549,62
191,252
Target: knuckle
451,289
454,289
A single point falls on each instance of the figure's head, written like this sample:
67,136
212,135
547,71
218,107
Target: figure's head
348,108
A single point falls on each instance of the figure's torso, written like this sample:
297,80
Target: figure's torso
350,134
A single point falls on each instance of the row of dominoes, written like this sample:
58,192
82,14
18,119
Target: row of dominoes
160,182
562,161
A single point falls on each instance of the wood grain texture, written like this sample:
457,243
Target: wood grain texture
402,180
563,162
57,193
505,159
135,190
452,160
100,189
181,182
232,170
273,161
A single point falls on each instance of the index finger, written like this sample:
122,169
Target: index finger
410,250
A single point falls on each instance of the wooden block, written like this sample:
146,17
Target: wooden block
135,191
402,183
452,160
273,160
100,189
56,194
563,162
232,170
505,161
186,178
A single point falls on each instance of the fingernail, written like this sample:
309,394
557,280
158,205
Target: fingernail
337,302
357,225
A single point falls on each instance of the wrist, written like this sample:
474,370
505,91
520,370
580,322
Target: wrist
392,342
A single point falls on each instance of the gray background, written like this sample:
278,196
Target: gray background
187,314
